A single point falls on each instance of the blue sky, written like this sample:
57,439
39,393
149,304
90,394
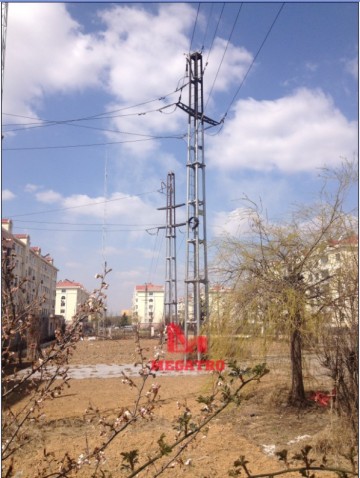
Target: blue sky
296,112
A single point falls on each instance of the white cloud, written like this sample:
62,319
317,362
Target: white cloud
46,53
31,188
123,208
138,55
299,132
74,265
312,67
352,67
146,59
140,46
111,251
233,67
7,195
48,196
232,223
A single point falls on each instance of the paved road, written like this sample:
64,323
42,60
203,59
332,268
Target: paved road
116,371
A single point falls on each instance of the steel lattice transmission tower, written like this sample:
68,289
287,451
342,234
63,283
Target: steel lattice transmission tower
196,280
4,17
170,298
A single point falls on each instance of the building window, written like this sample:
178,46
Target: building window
63,290
63,297
62,311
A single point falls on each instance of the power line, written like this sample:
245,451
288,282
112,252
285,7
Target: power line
216,29
207,27
225,50
85,223
255,58
193,32
90,145
160,248
104,228
153,255
104,114
85,205
46,123
100,231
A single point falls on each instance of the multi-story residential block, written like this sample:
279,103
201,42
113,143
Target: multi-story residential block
35,273
70,296
148,305
334,275
218,301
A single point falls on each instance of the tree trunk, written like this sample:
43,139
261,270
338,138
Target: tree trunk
297,393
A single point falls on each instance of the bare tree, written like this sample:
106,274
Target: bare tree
46,374
276,271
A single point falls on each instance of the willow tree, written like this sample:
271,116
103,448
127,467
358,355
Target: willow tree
278,270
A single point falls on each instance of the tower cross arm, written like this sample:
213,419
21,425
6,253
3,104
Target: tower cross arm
202,117
173,225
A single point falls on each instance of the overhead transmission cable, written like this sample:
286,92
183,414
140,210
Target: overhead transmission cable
46,123
225,50
153,255
99,224
214,36
255,58
207,27
104,229
160,249
104,114
193,32
88,145
100,230
85,205
248,71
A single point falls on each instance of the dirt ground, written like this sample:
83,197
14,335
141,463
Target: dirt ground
259,426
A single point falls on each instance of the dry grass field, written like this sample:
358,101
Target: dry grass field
259,426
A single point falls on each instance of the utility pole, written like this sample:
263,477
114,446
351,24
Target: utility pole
4,17
196,280
170,297
146,304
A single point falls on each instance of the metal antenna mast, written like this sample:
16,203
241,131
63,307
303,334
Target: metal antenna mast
4,16
170,298
196,280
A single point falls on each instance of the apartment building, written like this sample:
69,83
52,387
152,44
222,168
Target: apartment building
217,302
70,296
334,273
148,305
219,297
35,273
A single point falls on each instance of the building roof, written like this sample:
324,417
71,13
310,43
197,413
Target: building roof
346,241
219,288
63,284
149,288
21,236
